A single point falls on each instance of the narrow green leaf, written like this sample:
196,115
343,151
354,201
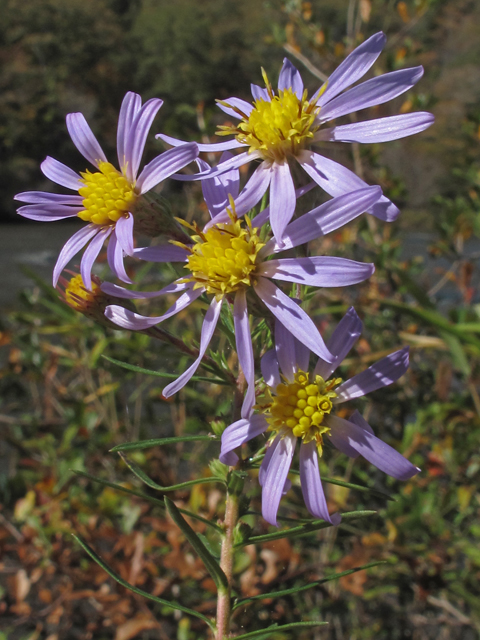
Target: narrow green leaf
304,529
275,627
141,475
208,560
161,374
457,352
144,496
287,592
140,592
146,444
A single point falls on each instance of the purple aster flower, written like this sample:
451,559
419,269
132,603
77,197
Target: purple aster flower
278,127
228,259
299,403
108,199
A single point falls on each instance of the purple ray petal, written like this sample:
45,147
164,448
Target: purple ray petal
377,452
380,129
380,374
48,212
134,321
312,485
235,162
324,219
238,433
243,339
208,148
73,246
282,199
217,190
269,368
164,165
293,317
124,232
61,174
263,216
275,476
121,292
135,143
161,253
131,105
290,78
336,180
285,350
83,138
360,421
42,197
372,92
354,67
115,259
90,255
318,271
259,93
245,107
270,448
346,333
208,327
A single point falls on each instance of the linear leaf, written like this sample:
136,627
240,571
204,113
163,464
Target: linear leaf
146,444
144,496
140,592
141,475
275,627
304,529
208,560
287,592
161,374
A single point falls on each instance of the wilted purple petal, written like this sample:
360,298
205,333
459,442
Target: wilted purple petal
380,129
346,333
124,231
115,259
269,368
90,255
42,197
241,105
354,67
208,327
336,180
318,271
48,212
275,476
324,219
134,321
290,78
259,93
312,485
380,374
131,105
377,452
83,138
293,317
372,92
243,339
282,199
161,253
238,433
73,246
164,165
208,148
121,292
135,143
285,350
61,174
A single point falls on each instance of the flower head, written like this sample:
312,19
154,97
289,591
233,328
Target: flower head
299,403
282,127
111,200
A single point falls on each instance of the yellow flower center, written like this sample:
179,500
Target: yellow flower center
301,406
107,195
77,295
279,127
223,258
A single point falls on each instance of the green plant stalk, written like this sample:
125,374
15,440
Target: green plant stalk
224,607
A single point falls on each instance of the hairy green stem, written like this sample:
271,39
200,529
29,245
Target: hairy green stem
226,563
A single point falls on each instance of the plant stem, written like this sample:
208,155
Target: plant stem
226,563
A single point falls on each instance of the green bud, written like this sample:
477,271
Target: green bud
235,482
218,469
242,533
218,426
